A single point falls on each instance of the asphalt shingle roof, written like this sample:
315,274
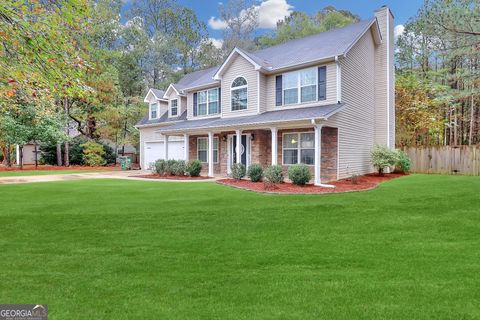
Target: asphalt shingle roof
163,119
158,93
305,113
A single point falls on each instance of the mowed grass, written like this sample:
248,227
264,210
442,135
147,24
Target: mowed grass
116,249
23,173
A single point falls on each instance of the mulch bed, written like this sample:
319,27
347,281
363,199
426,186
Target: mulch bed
157,176
365,182
55,168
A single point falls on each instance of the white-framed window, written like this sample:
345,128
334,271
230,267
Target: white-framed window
208,102
174,107
239,94
202,149
153,110
300,86
298,148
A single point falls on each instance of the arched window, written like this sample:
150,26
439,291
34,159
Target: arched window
239,93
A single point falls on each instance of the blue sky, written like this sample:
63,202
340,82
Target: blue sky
207,10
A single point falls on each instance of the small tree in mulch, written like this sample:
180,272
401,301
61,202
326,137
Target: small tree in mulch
255,172
238,171
194,168
273,176
383,157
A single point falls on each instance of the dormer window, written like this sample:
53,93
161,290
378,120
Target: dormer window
153,110
174,107
239,94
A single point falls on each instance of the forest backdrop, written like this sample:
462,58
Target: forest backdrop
73,65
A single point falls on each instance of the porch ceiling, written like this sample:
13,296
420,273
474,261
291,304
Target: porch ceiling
266,118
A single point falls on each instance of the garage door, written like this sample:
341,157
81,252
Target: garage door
154,151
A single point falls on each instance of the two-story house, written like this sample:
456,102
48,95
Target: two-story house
323,100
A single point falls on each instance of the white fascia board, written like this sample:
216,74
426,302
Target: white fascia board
218,74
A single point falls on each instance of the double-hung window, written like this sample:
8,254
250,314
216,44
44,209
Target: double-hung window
174,107
239,94
300,86
202,149
299,148
153,110
208,102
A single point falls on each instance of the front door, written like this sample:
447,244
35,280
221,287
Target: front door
243,150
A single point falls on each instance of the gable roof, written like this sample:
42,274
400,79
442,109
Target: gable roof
158,94
317,47
145,121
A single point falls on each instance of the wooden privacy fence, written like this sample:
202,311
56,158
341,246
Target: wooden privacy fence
445,159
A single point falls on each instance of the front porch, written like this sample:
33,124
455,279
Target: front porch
315,146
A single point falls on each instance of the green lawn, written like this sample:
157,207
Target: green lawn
41,172
117,249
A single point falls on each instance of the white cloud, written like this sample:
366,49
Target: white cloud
272,11
269,13
398,31
217,24
217,43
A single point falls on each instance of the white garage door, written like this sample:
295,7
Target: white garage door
154,151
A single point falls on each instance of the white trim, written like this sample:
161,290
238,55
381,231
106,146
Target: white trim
274,145
245,86
338,153
150,91
299,87
339,79
210,153
318,154
165,147
298,133
258,93
215,161
170,107
361,35
218,74
171,86
248,150
150,110
388,79
186,147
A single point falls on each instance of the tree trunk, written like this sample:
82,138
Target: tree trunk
66,156
36,155
8,159
472,122
59,154
20,151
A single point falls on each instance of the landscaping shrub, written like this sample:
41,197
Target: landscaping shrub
194,168
403,162
255,172
179,168
238,171
93,154
159,167
274,174
170,167
383,157
299,174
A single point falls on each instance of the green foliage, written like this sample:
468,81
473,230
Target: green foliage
299,174
159,167
255,172
93,154
180,168
300,25
170,167
274,174
403,162
194,168
383,157
238,171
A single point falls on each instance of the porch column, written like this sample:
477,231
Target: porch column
186,146
238,147
165,147
274,145
210,154
318,152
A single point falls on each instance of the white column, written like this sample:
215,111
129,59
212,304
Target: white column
210,154
274,145
165,147
318,153
238,147
186,148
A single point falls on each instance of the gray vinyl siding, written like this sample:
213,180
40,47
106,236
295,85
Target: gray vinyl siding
356,121
263,92
240,67
331,90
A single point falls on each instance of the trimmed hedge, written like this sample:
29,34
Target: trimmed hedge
274,174
299,174
238,171
255,172
194,168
